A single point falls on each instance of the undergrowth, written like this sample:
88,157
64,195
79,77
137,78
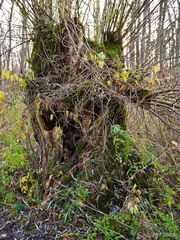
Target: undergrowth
133,202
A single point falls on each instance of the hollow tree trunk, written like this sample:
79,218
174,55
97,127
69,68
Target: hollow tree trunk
68,100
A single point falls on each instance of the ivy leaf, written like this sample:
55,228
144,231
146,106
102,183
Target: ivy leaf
20,207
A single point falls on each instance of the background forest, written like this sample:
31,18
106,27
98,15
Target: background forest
89,119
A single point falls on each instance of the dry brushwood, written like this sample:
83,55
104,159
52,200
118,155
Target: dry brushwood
76,96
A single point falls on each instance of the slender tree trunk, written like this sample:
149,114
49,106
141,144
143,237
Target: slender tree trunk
160,51
1,80
10,36
1,3
23,49
148,35
96,20
138,60
1,83
144,33
178,37
132,46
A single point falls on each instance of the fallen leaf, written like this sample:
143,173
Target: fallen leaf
2,96
156,69
109,83
101,64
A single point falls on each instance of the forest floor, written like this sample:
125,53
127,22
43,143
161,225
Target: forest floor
14,228
29,225
78,210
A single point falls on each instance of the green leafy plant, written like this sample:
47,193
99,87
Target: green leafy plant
74,198
123,141
14,128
